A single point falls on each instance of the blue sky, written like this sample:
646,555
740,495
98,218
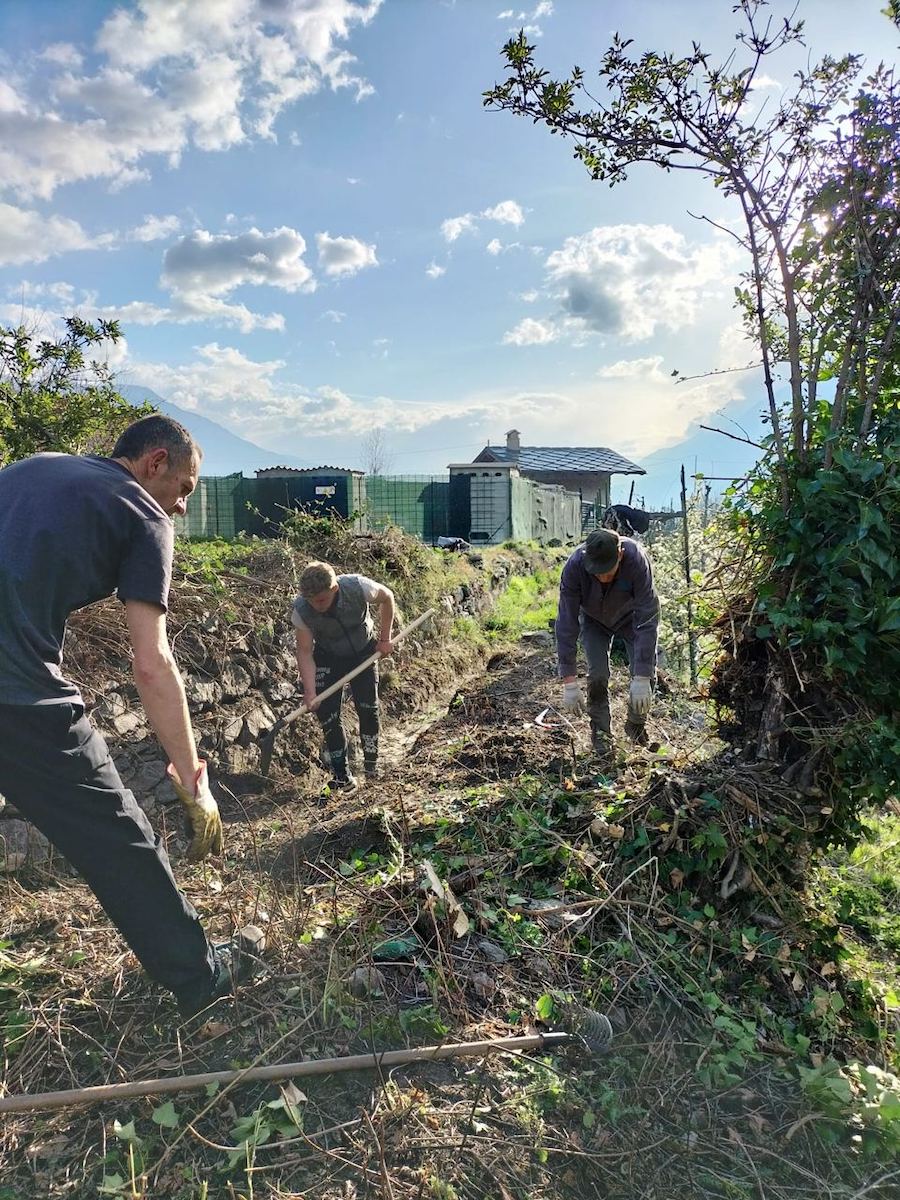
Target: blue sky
309,226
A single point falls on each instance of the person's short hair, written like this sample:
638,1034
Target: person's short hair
315,578
601,551
156,432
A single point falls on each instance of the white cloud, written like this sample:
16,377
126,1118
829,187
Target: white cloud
172,74
453,227
207,264
434,271
10,100
27,236
190,310
494,246
64,54
527,21
668,408
333,315
531,333
344,255
154,229
765,83
530,296
507,211
633,280
202,269
260,401
602,411
59,292
255,400
634,368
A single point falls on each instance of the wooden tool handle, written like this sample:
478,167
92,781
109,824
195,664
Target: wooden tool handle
357,670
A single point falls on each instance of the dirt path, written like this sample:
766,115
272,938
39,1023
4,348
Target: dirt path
558,906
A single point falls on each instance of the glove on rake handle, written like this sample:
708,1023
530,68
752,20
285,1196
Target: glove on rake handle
267,741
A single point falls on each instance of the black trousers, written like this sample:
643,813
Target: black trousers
364,689
56,769
597,640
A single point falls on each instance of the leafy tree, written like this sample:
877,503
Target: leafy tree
814,180
811,631
53,396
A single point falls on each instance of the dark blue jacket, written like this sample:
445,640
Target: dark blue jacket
627,607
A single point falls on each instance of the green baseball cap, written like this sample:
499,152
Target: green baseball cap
601,551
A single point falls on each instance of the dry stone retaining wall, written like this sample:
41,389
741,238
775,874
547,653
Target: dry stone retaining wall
235,689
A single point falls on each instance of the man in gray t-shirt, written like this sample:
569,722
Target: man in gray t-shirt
74,530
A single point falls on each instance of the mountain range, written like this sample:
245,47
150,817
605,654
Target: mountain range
224,453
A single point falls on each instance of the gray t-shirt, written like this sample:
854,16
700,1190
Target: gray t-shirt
72,530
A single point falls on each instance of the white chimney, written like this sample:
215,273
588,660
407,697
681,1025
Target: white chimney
512,442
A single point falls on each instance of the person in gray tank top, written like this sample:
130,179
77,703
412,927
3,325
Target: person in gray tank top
335,632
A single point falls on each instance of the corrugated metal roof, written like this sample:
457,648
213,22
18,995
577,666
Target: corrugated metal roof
564,458
324,470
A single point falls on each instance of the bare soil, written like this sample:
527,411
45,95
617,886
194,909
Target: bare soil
561,905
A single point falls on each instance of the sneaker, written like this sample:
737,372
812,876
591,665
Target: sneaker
343,783
372,773
236,961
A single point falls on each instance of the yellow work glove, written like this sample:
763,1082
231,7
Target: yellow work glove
202,814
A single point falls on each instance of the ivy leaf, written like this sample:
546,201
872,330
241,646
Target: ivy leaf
544,1007
127,1132
165,1116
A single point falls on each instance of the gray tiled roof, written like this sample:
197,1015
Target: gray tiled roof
323,470
563,458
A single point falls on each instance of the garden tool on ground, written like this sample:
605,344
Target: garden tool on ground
267,740
585,1029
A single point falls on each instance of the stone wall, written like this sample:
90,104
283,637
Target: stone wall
233,701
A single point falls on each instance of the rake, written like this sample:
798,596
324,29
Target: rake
590,1030
267,740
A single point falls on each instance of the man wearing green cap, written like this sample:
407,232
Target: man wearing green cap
606,591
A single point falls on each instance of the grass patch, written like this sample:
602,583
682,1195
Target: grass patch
528,603
858,892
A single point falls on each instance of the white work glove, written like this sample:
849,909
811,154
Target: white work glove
640,694
573,699
202,814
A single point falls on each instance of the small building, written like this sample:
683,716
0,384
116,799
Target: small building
492,502
583,469
337,490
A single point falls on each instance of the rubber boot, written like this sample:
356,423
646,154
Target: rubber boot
602,746
598,711
636,732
